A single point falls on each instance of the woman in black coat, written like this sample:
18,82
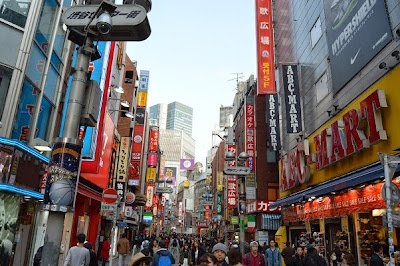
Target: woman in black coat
197,252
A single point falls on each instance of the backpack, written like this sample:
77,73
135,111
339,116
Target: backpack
164,261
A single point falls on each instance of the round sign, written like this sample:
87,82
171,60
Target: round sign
130,198
137,139
394,194
110,195
187,163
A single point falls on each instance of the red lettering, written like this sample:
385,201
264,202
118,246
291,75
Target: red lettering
284,180
325,144
354,137
293,177
337,145
318,151
370,111
302,151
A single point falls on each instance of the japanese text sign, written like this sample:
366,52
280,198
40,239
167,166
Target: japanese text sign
154,136
265,48
231,191
123,159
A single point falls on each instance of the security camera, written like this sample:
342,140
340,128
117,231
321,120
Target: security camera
104,23
383,66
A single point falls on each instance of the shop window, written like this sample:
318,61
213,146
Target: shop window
316,32
5,77
129,77
15,11
321,87
46,23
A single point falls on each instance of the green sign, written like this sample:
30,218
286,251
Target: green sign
242,225
251,180
234,220
219,204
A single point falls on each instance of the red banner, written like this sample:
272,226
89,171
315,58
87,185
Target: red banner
265,48
149,195
154,135
231,148
365,199
261,206
231,191
250,136
136,155
152,159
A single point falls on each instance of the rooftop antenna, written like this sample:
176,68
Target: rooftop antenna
238,78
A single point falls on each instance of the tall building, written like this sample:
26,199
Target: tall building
225,116
180,117
158,115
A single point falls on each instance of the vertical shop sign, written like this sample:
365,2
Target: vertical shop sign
345,224
120,187
123,159
149,196
265,48
292,99
308,227
272,116
152,159
136,155
322,226
231,191
162,166
219,204
151,175
231,148
144,80
220,181
250,135
154,135
251,186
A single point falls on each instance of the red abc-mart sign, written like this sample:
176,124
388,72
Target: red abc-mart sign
110,195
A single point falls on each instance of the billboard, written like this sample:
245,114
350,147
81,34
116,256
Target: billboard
154,137
272,116
357,31
250,132
292,98
265,48
170,172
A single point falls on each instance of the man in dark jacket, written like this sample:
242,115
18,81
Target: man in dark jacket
287,252
312,258
220,251
162,252
298,258
376,259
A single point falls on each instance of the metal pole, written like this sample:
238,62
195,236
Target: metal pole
389,208
77,93
241,234
113,239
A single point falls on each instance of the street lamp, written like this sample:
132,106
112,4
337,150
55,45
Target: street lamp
127,113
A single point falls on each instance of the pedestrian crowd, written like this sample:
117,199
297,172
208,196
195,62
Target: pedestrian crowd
176,250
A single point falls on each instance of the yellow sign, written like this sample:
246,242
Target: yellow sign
186,184
345,224
220,181
368,155
308,227
151,175
123,159
141,99
322,226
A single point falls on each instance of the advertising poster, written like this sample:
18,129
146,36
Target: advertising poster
356,31
170,172
9,209
151,175
63,174
187,164
292,98
265,48
140,116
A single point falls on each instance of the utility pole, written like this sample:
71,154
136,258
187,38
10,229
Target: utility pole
238,77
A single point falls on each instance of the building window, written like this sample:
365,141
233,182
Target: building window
321,87
129,77
316,32
15,11
5,77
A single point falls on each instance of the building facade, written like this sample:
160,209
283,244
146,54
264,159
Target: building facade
158,115
180,117
337,69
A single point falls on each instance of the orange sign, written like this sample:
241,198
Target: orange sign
265,48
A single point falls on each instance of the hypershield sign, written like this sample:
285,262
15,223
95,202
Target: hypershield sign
357,30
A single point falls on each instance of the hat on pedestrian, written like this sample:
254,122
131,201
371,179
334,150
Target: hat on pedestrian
254,244
220,246
310,248
139,257
162,244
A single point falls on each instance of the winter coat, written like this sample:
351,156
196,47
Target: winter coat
175,253
181,258
193,254
162,252
105,250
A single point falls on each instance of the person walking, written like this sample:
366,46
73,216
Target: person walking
298,258
105,251
253,258
174,249
78,255
123,250
185,258
376,259
163,257
287,253
220,251
197,252
93,256
273,255
235,256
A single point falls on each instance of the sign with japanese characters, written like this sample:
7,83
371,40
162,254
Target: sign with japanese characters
219,204
250,132
261,206
151,174
123,159
120,187
154,135
220,181
292,99
231,191
136,155
162,166
272,116
149,195
231,148
251,186
152,159
265,48
144,80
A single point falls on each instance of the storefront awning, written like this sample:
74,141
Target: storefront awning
22,191
353,179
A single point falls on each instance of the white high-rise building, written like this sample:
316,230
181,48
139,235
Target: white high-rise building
158,115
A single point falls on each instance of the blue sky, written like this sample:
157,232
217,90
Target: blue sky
192,51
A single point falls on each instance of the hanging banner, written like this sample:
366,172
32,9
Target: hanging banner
322,226
162,166
231,148
149,196
251,186
144,80
152,159
123,159
265,48
292,99
345,224
220,181
219,204
231,191
272,116
250,133
154,136
187,164
151,175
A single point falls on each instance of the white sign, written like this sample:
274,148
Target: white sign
108,207
164,190
80,15
236,170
